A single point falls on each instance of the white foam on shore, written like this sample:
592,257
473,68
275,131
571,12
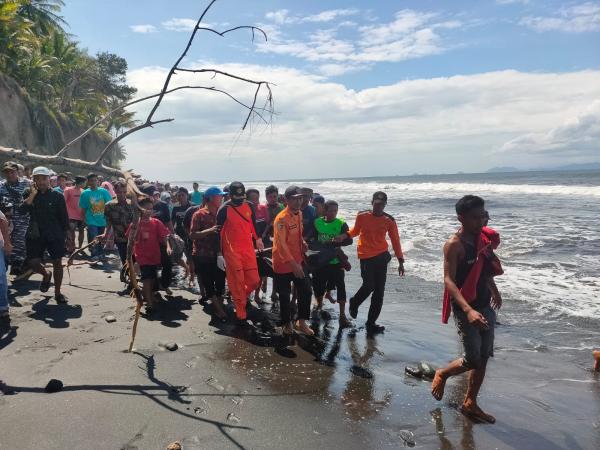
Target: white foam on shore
457,189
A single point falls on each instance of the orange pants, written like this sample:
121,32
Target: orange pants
242,277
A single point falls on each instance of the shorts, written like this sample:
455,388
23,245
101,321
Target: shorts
36,248
330,277
478,344
76,225
149,272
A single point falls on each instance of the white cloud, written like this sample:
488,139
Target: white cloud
179,24
411,34
279,17
330,15
283,16
581,18
143,28
577,136
324,129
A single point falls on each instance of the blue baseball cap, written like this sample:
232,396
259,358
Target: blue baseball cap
212,191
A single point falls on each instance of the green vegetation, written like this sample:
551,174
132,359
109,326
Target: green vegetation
62,80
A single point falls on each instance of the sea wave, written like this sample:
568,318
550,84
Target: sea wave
462,188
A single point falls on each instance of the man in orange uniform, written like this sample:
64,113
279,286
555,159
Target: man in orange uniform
237,224
288,255
371,227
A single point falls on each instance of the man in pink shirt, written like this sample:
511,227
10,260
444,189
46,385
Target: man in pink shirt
72,195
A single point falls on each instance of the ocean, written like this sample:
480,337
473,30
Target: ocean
548,222
547,327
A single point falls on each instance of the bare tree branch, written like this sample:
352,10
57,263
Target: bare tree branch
248,27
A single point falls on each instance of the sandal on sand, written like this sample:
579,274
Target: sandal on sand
45,284
60,299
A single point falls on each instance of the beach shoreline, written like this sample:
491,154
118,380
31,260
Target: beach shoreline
221,389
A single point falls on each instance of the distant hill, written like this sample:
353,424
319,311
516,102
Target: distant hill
565,168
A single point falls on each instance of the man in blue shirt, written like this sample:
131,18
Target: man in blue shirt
309,214
196,197
92,203
61,181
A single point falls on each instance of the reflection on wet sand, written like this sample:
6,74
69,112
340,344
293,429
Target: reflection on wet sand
358,397
339,353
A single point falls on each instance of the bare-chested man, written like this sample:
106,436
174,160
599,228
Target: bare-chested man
475,320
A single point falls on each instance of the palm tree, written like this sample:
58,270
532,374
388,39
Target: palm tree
43,14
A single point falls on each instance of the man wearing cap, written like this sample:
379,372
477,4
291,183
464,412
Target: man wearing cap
48,225
204,234
371,227
288,258
12,189
236,220
92,202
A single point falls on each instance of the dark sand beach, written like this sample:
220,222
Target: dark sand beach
226,389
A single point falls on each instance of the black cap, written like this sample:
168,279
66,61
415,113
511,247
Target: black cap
148,189
226,189
237,189
293,191
10,165
380,196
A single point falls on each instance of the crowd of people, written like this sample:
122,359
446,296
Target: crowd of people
230,244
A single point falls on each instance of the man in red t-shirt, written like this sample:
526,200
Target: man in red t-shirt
151,234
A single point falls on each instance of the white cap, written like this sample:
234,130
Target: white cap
41,171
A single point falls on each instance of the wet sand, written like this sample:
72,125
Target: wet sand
227,389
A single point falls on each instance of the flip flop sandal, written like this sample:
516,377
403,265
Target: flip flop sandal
45,284
60,299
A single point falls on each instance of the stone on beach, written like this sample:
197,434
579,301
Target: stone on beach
110,319
54,385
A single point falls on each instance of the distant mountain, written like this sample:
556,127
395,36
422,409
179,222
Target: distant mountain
565,168
585,166
502,169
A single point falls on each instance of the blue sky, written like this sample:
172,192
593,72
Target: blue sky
432,86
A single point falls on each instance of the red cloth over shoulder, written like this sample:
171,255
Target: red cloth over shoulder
489,239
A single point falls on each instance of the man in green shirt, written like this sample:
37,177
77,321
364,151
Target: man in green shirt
331,275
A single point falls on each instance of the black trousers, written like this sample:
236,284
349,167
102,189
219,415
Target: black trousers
212,278
283,286
330,277
122,247
373,272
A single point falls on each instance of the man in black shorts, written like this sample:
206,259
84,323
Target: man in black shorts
475,319
48,225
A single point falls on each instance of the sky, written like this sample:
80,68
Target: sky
359,88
